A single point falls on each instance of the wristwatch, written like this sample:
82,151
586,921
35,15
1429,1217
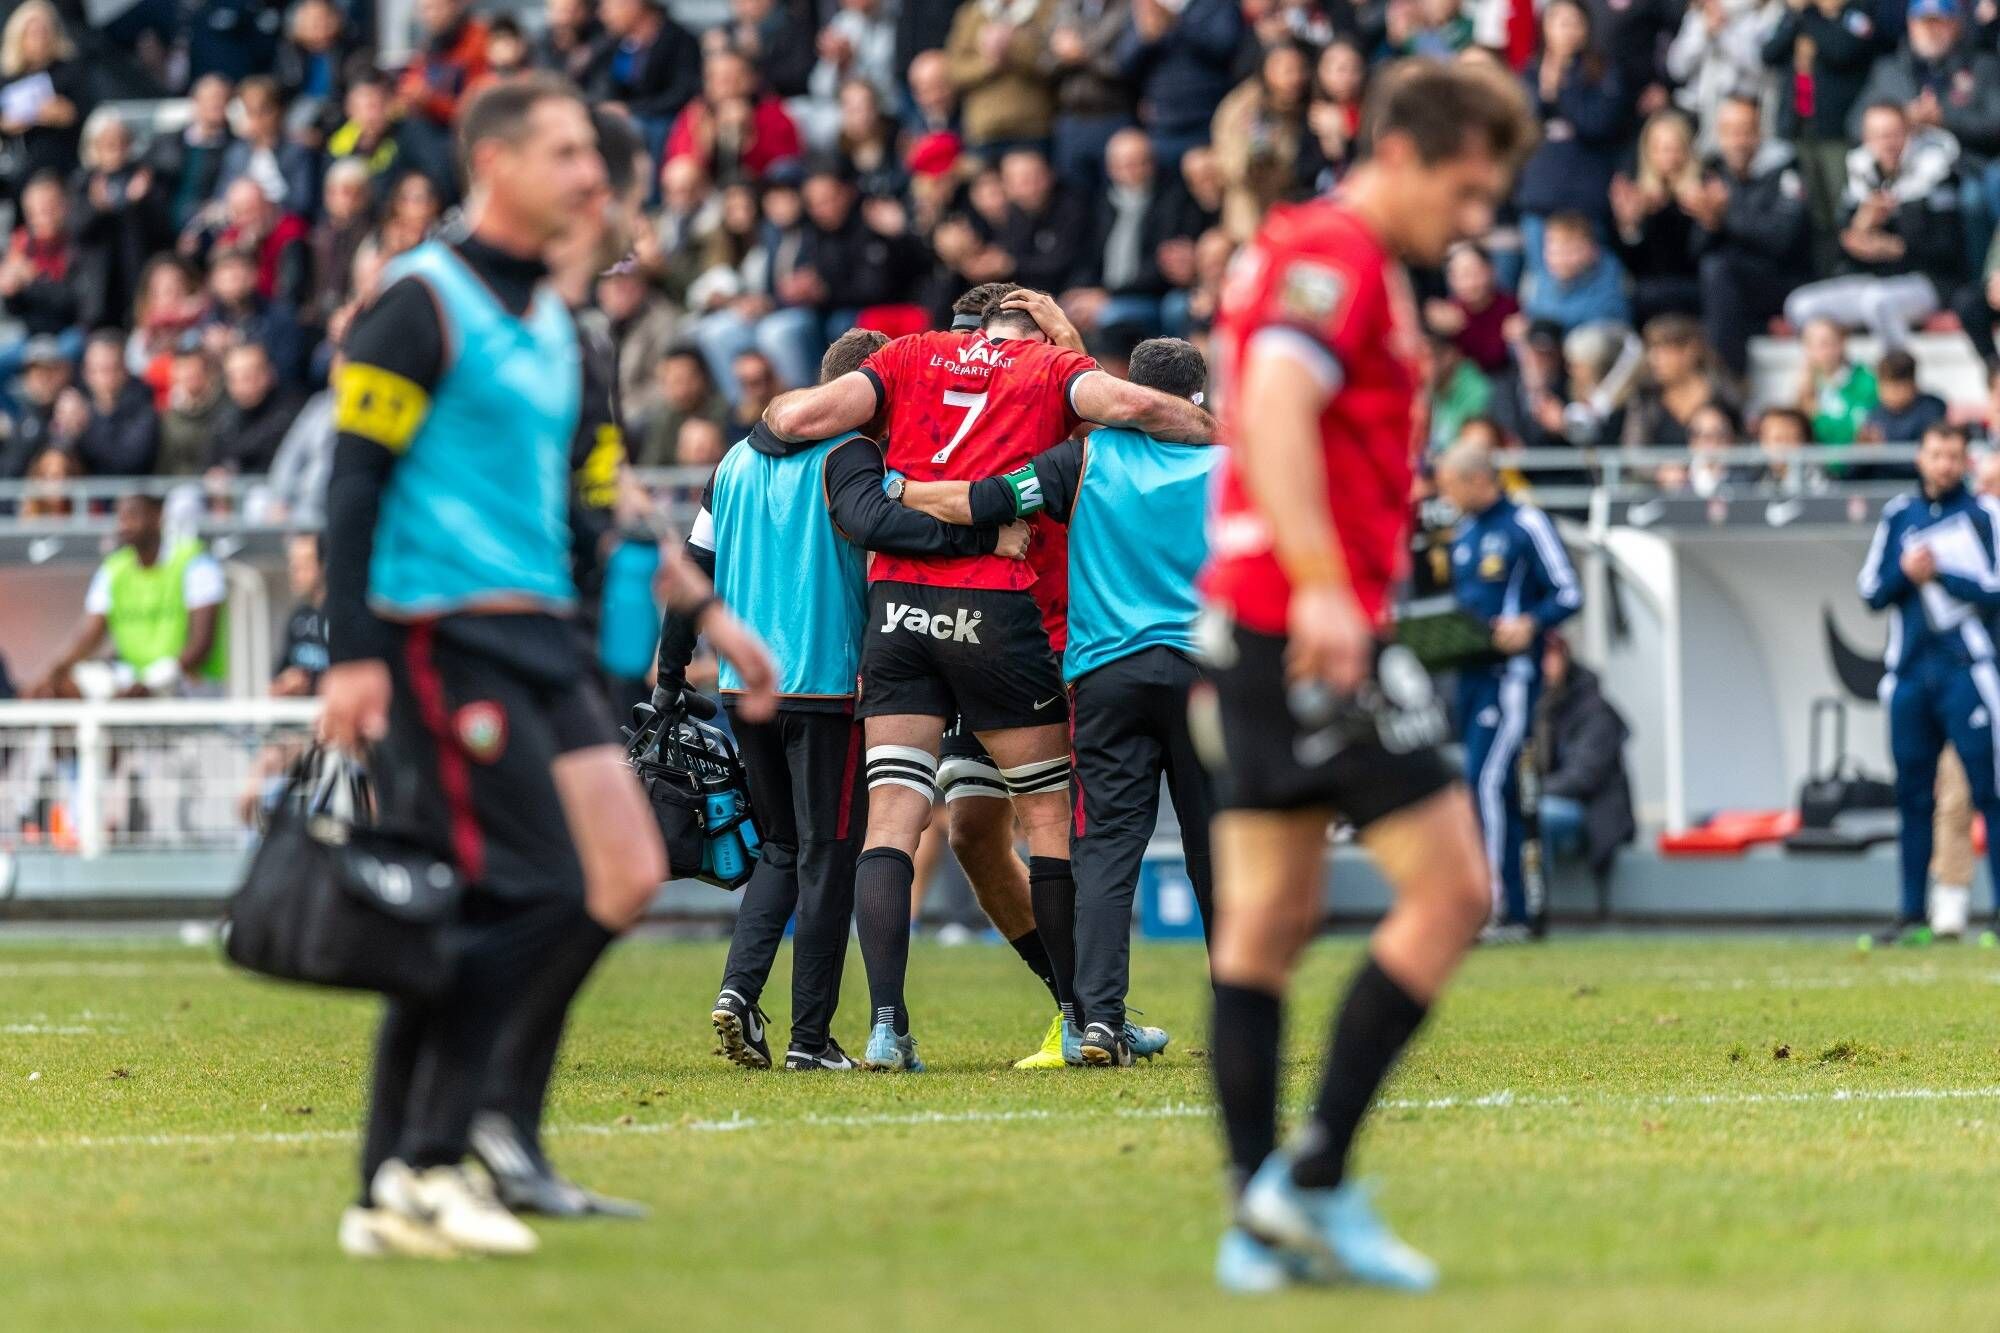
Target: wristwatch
894,488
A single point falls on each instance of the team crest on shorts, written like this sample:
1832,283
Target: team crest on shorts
482,730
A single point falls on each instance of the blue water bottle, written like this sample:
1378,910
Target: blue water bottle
725,857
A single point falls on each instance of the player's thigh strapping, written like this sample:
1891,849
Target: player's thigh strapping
965,771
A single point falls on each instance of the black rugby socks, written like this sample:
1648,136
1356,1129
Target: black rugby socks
882,880
1052,893
1375,1022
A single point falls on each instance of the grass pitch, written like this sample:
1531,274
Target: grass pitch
1605,1132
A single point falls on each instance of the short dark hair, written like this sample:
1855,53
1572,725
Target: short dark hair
1171,365
1673,327
688,350
1949,430
1444,109
831,166
501,110
1019,320
1898,365
1791,414
849,350
985,295
1571,221
1896,107
619,143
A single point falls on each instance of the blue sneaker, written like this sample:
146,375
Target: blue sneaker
1335,1233
887,1051
1249,1267
1072,1043
1145,1042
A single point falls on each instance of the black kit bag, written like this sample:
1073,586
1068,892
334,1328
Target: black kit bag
695,783
330,900
1835,785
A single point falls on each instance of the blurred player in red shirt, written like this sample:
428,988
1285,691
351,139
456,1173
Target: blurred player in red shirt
964,636
1320,349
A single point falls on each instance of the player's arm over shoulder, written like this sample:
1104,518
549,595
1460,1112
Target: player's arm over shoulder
845,404
1099,396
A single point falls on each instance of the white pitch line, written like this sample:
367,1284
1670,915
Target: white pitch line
1501,1100
52,968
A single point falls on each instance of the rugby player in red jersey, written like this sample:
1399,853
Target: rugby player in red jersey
1320,349
964,636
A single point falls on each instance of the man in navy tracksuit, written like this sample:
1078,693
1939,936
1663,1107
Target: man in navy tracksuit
1509,569
784,530
1932,566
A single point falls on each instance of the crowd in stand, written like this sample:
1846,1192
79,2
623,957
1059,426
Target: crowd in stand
171,302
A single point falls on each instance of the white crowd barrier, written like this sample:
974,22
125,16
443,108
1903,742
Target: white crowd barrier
84,779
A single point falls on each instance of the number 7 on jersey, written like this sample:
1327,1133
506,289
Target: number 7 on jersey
974,403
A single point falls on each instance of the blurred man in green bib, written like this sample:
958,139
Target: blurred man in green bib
162,607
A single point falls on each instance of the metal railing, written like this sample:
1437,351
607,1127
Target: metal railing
61,517
244,502
191,774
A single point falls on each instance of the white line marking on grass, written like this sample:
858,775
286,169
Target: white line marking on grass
45,1030
52,968
1502,1100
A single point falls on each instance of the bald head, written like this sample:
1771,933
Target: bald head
1472,459
1986,475
1468,477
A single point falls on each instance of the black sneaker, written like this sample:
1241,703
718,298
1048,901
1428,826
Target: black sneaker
1914,933
739,1026
829,1056
1106,1045
526,1183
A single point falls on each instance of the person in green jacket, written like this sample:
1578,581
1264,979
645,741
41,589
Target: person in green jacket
162,608
1459,392
1835,394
